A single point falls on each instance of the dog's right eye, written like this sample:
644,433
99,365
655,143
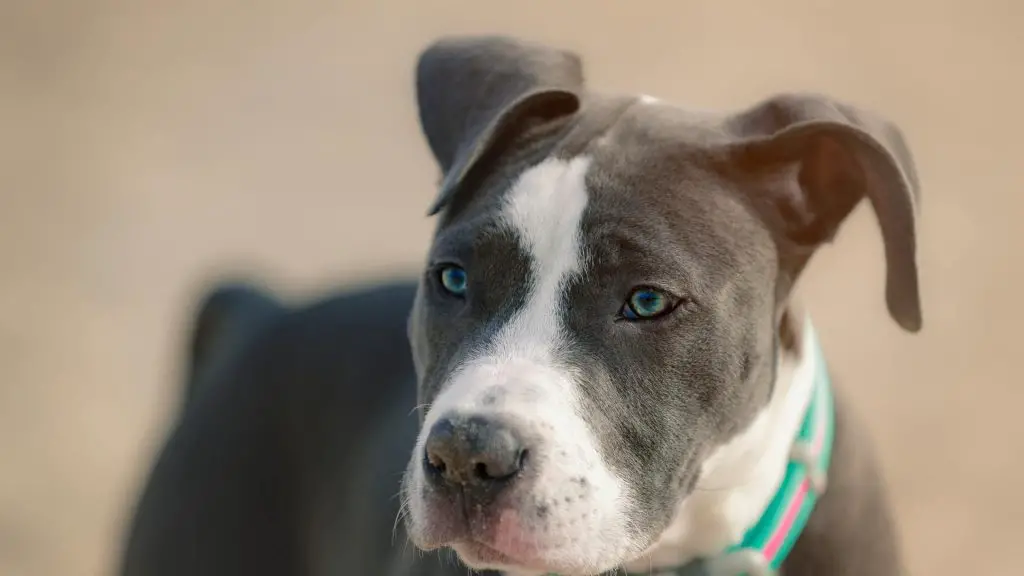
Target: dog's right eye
646,303
453,279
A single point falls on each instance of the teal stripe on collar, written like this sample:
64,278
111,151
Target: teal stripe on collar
786,516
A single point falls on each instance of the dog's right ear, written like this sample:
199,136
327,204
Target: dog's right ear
475,92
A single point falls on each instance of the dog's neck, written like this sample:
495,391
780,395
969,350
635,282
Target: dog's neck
740,478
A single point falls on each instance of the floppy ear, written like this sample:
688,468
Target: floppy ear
475,92
812,160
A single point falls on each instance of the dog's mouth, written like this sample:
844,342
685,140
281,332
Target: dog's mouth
492,541
515,533
479,555
494,538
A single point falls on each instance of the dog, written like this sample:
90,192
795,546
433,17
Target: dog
609,371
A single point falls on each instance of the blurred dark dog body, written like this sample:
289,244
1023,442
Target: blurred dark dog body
287,456
288,453
609,366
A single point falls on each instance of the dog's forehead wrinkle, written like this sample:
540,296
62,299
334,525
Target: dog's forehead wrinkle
468,233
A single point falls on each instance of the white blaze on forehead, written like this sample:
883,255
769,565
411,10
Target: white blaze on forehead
545,208
519,377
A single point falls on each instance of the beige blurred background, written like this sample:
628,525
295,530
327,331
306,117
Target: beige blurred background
148,145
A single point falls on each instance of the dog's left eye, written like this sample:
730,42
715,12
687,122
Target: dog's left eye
453,279
647,304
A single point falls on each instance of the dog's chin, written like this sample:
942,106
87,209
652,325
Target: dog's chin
481,551
479,556
498,537
484,550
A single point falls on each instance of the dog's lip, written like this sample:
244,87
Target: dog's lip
501,544
476,552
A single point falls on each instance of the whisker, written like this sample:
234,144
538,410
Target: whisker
402,509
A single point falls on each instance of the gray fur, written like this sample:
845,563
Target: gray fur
723,210
287,457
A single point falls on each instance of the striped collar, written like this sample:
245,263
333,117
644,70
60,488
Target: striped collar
769,541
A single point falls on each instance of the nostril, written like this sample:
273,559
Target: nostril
436,463
480,471
499,468
522,459
440,452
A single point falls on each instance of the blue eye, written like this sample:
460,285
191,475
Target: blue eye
645,304
454,280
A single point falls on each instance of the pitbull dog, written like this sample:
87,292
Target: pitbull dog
608,367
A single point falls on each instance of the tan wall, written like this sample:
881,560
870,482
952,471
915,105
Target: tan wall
145,144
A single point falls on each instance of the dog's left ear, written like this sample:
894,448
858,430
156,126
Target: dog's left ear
477,92
810,160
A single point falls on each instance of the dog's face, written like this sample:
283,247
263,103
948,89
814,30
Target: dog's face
599,309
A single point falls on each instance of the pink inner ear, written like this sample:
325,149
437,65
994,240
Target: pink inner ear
833,182
829,168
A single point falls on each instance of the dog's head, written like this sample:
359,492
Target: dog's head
601,304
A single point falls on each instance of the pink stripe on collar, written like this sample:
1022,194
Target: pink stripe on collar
772,548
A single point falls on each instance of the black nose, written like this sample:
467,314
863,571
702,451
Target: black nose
473,452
